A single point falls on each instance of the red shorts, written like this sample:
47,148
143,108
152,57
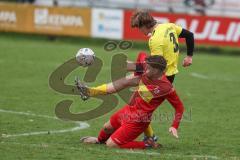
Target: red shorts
126,128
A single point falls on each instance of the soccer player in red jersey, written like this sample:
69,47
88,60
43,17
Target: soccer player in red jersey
163,40
130,121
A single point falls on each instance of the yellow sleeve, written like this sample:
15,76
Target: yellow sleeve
178,29
156,47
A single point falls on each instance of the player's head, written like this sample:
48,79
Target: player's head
143,21
156,66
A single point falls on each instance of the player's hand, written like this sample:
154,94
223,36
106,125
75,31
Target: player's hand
82,88
173,131
187,61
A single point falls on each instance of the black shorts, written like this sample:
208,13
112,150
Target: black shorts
171,78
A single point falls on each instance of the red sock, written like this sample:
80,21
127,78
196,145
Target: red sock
134,145
103,136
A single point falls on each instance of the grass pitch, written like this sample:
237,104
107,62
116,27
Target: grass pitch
209,90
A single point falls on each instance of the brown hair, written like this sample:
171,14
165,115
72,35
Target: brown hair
158,62
142,18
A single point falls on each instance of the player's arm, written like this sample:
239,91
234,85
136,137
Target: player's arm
179,109
109,88
189,37
120,84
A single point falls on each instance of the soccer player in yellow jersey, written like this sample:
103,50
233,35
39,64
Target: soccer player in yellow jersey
163,41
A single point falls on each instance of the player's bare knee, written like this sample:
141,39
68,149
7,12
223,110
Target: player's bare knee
110,143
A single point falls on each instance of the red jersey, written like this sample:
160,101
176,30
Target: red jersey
151,93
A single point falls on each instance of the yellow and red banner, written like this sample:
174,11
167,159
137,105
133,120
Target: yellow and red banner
46,20
111,23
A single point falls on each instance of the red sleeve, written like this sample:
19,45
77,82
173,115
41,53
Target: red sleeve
178,106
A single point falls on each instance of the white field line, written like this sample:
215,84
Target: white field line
144,152
83,125
197,75
26,114
169,155
201,76
80,125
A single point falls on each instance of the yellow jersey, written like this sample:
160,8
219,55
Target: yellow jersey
164,42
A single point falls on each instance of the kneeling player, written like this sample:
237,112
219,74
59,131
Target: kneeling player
129,122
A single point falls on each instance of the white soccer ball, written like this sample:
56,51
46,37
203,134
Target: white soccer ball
85,57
